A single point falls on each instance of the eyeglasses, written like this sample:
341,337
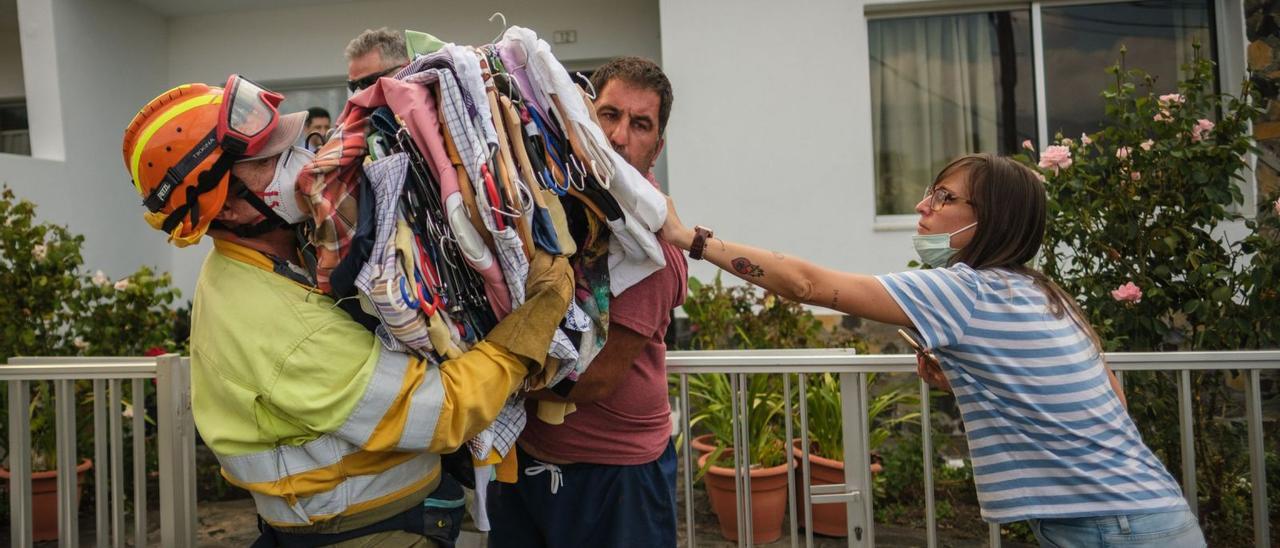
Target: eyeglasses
361,83
939,197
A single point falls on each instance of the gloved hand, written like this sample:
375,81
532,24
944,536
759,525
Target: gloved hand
527,331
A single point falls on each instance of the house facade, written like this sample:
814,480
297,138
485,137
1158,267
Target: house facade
810,127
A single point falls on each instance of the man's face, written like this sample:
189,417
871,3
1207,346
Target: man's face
257,175
365,65
629,116
319,124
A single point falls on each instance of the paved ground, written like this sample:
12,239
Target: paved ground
232,524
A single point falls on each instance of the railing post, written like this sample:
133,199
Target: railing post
139,430
102,532
1186,431
691,534
19,464
64,396
857,468
926,445
175,444
1257,458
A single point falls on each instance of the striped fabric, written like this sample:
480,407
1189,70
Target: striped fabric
1047,435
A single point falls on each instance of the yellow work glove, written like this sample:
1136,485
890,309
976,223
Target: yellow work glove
527,331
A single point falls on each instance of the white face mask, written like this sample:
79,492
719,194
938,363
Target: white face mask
935,249
281,194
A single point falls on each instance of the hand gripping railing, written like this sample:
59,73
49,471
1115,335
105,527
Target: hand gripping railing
853,369
175,437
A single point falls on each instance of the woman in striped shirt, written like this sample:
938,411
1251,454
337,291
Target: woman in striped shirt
1049,436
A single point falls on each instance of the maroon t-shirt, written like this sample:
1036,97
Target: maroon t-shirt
632,425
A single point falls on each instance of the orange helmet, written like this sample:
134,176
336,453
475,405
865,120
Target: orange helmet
180,147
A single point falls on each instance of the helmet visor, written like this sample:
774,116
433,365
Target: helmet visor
249,114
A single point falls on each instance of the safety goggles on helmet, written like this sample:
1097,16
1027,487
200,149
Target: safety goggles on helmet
249,114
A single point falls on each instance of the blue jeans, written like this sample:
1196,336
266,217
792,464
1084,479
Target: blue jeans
1176,529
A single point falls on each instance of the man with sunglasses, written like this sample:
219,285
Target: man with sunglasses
337,438
373,54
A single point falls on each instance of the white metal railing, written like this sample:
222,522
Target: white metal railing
853,370
175,446
176,436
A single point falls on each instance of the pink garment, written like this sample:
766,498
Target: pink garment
632,425
411,101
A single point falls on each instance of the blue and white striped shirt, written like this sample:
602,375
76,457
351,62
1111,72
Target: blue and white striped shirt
1047,435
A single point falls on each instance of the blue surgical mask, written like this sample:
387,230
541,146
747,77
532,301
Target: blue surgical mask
935,249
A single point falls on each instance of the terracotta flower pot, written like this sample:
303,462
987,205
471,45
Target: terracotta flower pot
703,444
44,499
768,499
830,519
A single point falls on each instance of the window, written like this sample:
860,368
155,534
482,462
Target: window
943,86
947,85
14,137
1080,41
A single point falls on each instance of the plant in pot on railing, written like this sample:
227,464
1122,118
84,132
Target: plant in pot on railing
52,309
711,401
826,439
741,317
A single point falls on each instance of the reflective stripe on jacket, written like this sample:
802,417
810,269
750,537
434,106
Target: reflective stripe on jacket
305,409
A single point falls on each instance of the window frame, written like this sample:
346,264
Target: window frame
1228,16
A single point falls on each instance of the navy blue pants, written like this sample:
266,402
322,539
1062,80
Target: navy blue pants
593,505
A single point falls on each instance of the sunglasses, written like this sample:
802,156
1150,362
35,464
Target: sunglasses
361,83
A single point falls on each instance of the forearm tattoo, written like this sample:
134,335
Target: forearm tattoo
835,299
745,267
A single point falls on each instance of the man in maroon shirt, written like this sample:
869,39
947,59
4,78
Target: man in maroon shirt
606,476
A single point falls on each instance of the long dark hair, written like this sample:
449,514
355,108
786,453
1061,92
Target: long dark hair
1010,203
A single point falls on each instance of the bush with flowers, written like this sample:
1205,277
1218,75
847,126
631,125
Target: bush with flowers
52,308
1146,230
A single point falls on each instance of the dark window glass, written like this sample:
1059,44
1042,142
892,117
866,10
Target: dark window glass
1080,42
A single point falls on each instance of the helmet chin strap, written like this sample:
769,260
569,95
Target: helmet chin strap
272,222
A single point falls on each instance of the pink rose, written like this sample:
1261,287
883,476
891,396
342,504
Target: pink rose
1057,157
1171,98
1277,206
1127,293
1135,176
1146,145
1026,143
1202,126
1162,117
1085,140
1122,153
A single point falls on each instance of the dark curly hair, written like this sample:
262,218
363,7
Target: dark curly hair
642,73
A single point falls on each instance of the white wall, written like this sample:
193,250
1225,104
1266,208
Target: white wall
770,138
307,44
97,62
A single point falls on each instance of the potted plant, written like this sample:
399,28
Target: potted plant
826,441
53,309
711,395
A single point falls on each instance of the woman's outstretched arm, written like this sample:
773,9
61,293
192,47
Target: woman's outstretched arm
791,277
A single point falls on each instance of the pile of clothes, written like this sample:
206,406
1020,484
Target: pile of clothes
435,187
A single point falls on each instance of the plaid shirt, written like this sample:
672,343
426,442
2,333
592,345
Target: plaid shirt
330,184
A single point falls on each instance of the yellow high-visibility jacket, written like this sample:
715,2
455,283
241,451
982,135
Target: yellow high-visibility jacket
305,409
